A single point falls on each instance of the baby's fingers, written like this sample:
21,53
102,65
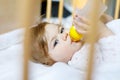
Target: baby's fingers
80,25
82,19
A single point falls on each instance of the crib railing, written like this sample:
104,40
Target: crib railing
28,17
78,4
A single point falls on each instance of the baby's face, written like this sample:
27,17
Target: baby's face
60,46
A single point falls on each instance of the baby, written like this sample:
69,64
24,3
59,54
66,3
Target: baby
51,43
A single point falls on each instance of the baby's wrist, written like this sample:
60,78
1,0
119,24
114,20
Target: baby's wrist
103,30
106,32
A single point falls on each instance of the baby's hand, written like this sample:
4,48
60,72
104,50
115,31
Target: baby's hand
81,24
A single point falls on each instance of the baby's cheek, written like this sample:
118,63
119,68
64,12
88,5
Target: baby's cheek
66,52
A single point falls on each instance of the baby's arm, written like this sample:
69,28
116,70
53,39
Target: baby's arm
104,31
82,26
105,18
107,49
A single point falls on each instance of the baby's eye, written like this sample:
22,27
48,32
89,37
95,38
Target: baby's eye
62,29
56,42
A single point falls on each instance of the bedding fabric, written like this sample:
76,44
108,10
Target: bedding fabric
11,60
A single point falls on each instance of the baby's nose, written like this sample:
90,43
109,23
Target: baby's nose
64,36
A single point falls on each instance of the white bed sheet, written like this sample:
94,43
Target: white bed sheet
11,60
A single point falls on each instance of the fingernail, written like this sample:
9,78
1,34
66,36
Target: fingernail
76,15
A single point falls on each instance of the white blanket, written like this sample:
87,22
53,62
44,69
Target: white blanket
11,60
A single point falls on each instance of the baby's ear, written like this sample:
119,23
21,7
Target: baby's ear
48,61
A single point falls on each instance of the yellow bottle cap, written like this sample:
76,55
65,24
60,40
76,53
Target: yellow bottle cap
74,35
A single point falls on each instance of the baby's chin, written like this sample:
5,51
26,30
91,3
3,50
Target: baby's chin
77,45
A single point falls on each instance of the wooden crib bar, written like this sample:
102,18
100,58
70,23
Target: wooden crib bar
26,19
60,13
117,9
48,13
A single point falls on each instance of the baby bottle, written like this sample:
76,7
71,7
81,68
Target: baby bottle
74,35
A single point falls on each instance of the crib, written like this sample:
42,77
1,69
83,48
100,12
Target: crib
26,18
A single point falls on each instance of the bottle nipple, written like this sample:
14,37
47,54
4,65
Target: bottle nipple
74,35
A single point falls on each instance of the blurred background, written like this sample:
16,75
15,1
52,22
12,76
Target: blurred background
9,11
68,7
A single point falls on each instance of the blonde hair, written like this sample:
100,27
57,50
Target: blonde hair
39,46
